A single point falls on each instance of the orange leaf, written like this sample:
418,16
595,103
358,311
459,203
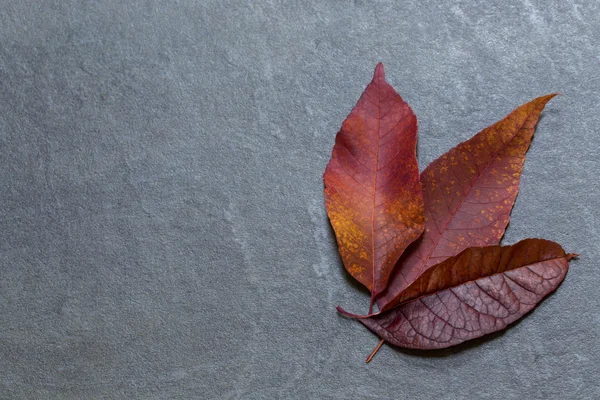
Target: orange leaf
372,191
468,194
479,291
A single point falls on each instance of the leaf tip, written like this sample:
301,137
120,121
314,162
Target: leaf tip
344,312
545,99
571,256
355,316
379,73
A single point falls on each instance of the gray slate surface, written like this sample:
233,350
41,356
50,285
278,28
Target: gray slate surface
162,228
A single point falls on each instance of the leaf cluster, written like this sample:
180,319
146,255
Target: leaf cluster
427,245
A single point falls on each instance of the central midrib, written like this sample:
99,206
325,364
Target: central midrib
375,193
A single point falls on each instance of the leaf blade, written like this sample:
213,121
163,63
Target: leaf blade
446,306
372,191
480,177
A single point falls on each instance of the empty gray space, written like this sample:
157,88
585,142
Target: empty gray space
162,227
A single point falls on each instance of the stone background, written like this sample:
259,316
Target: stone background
162,227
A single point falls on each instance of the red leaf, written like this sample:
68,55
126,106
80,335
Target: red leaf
478,292
468,194
372,191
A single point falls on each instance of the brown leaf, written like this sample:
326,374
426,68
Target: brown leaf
372,191
479,291
468,194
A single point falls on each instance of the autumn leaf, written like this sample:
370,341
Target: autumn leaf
372,191
479,291
468,193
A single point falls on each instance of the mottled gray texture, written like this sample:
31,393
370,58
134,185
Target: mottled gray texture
162,228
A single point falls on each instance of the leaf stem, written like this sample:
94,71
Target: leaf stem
375,350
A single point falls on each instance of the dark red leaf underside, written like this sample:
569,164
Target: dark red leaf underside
478,292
